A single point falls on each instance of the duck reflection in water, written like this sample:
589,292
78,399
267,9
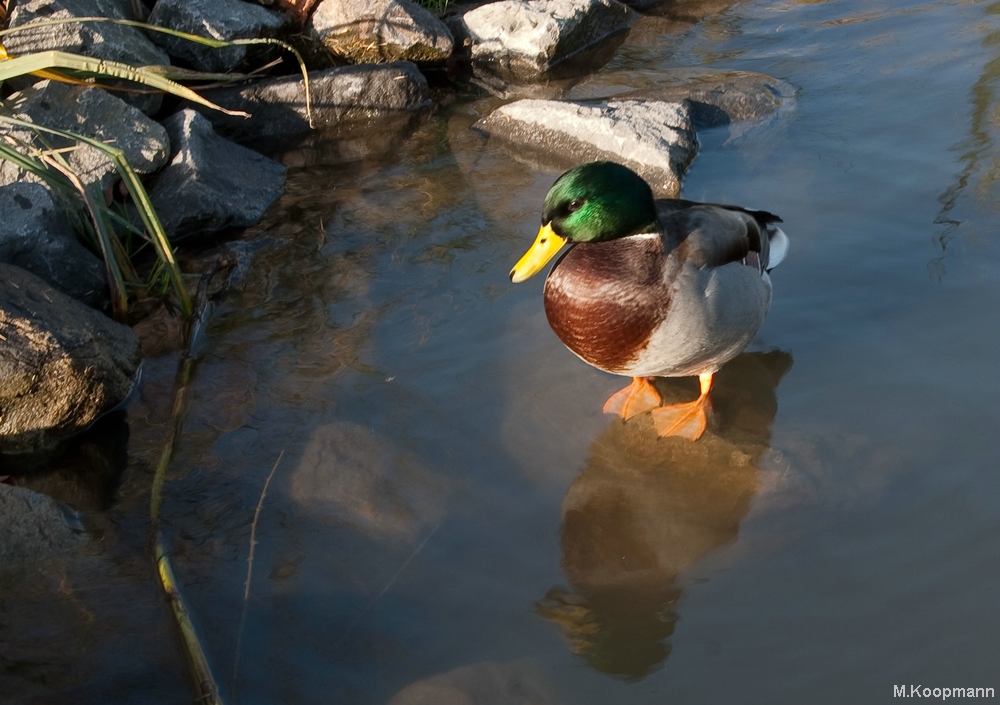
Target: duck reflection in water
643,510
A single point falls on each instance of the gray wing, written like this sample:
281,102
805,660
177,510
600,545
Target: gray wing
710,236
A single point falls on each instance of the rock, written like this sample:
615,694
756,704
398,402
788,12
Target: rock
211,184
349,144
653,138
94,113
721,97
518,41
689,11
341,97
87,471
34,527
376,31
36,236
62,364
218,19
485,683
101,40
357,478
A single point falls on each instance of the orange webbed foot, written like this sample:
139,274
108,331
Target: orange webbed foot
683,420
688,420
636,398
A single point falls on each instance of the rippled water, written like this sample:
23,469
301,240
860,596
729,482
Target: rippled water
451,510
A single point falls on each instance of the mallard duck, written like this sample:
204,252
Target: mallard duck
652,288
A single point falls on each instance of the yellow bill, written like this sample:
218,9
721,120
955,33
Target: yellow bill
545,247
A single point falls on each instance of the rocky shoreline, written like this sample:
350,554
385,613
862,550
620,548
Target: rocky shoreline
64,363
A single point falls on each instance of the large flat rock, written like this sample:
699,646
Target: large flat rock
341,97
717,97
653,138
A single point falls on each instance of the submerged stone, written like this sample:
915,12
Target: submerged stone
355,477
486,683
34,527
716,97
653,138
376,31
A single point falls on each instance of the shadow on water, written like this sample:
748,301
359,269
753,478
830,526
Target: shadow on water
644,510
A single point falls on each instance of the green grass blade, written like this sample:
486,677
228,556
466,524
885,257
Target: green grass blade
197,39
43,60
145,207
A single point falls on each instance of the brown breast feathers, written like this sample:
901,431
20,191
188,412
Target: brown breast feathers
603,300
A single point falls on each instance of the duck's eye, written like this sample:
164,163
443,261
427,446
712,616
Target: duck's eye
574,205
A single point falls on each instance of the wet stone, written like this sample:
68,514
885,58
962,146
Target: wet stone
365,31
349,96
36,236
485,683
524,41
353,476
653,138
723,97
34,527
62,364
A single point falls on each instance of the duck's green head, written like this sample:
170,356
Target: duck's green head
593,202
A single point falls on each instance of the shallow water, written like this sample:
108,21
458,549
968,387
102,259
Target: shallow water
450,504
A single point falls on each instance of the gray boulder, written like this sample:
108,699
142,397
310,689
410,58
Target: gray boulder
341,97
62,364
101,40
218,19
91,112
376,31
211,184
34,527
653,138
36,236
523,41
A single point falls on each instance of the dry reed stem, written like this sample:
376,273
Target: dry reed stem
246,585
